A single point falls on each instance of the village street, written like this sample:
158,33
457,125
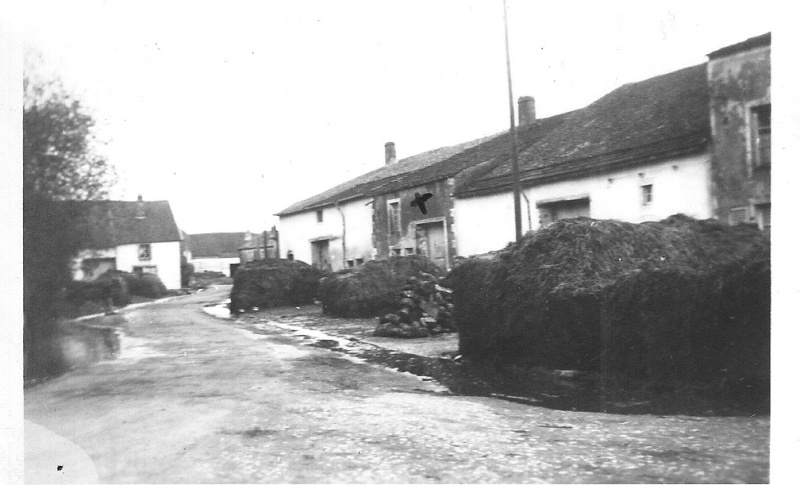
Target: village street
193,398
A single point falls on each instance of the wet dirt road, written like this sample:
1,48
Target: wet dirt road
197,399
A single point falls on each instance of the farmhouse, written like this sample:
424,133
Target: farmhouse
694,141
138,237
334,229
371,217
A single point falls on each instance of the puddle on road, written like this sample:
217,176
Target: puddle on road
132,349
288,351
72,347
219,310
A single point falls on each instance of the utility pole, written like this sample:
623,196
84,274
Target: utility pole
513,133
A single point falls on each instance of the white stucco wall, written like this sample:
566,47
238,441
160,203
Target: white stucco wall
485,223
166,256
681,185
297,230
222,265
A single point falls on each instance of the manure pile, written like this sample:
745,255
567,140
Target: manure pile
678,300
268,283
372,289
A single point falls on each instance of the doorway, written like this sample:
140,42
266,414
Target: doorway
432,242
320,255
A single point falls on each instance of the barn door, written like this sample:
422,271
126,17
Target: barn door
320,255
431,243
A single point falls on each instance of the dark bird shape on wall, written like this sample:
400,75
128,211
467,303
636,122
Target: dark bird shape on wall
419,201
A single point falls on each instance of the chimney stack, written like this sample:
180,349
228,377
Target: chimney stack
391,155
140,209
527,110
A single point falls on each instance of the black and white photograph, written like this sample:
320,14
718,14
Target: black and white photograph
473,241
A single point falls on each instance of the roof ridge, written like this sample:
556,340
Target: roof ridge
364,180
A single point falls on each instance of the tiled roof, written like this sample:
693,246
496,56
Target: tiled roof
215,244
664,116
112,223
404,173
762,40
473,157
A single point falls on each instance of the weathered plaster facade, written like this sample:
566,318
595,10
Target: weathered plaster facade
740,85
678,185
428,234
344,232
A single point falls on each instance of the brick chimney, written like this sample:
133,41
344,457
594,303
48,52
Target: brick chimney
391,155
527,110
140,209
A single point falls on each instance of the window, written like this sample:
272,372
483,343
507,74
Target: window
395,224
290,255
350,263
359,261
647,194
319,216
140,270
761,123
553,210
737,215
409,251
764,216
397,251
144,252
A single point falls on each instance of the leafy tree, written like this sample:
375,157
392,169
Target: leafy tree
60,163
59,147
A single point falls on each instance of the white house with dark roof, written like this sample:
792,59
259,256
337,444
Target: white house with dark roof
643,152
370,217
137,237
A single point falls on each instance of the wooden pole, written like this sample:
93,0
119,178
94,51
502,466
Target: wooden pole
513,133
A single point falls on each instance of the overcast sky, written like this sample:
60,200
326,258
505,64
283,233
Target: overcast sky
232,111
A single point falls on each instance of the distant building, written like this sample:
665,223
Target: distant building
215,251
253,246
138,237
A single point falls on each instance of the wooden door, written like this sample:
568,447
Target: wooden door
431,243
320,255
